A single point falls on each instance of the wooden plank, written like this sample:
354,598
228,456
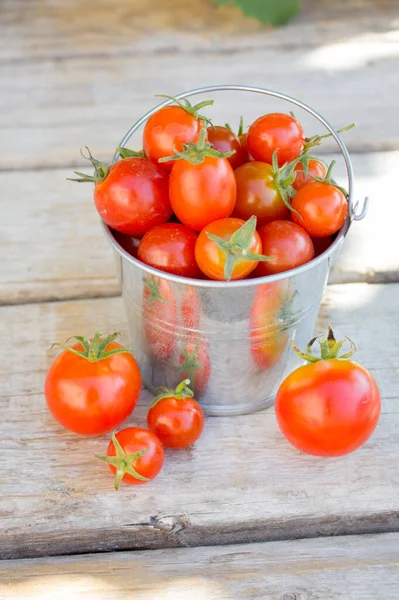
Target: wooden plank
71,258
241,483
68,82
352,567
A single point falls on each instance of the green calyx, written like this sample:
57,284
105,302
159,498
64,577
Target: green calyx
329,348
195,153
124,463
181,392
316,140
95,349
152,284
328,179
240,127
100,168
127,153
189,108
284,177
237,248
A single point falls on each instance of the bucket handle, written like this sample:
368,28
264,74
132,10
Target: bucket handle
357,211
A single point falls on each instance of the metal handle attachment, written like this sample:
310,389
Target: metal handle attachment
359,210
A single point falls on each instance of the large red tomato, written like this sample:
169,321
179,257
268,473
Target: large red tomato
93,386
170,128
275,132
329,407
202,193
287,244
258,194
170,247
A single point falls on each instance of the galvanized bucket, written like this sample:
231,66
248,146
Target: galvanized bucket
232,339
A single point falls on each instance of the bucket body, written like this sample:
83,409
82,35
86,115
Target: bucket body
231,339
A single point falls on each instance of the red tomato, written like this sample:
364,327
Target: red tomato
168,130
135,455
170,247
91,390
257,194
268,341
288,244
195,365
329,407
190,308
134,196
321,244
224,140
275,132
315,169
175,417
211,258
159,317
202,193
322,207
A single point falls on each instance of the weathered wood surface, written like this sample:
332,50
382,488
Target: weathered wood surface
340,568
53,246
74,74
241,483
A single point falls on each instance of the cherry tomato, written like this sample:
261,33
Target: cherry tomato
268,341
288,244
134,196
211,258
190,308
159,317
170,247
322,207
315,169
202,193
195,365
175,417
321,244
224,140
135,455
168,130
275,132
90,389
257,194
329,407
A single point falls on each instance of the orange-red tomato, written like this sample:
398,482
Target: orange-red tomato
159,317
322,207
275,132
210,257
202,193
177,422
288,244
134,196
224,140
257,194
328,408
170,247
133,441
92,397
168,130
315,169
268,341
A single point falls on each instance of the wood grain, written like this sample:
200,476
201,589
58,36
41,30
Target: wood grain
351,568
241,483
73,76
53,247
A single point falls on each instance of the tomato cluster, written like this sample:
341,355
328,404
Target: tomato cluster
200,201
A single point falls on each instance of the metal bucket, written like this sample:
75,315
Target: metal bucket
232,339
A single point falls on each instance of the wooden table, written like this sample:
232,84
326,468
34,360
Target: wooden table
242,515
